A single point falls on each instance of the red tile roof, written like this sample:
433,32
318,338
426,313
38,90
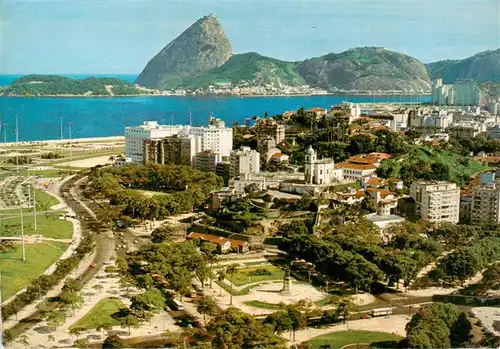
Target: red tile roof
355,166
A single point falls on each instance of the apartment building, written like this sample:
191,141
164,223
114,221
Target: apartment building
244,161
462,92
215,137
207,161
176,150
136,135
270,128
437,201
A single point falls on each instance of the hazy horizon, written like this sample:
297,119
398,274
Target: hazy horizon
119,37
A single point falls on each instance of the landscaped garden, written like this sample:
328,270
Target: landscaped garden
245,276
337,340
17,274
105,312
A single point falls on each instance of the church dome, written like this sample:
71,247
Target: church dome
310,151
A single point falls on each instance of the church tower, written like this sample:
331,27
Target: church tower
311,158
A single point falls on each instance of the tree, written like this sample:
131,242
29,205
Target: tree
8,336
460,331
82,343
145,304
234,329
430,326
206,305
129,321
297,319
71,286
113,342
162,234
280,321
70,300
344,310
55,319
221,276
491,276
231,270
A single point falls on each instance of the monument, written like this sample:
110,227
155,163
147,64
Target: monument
287,283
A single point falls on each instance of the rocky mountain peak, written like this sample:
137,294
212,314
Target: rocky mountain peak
201,47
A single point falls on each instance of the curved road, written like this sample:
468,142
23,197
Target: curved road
104,243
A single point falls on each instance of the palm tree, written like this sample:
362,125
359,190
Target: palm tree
211,259
231,270
221,275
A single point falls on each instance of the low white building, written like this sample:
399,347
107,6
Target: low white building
356,171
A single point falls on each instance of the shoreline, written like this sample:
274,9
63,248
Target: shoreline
66,141
229,95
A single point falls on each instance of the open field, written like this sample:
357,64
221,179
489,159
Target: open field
17,274
245,276
44,202
100,314
337,340
49,226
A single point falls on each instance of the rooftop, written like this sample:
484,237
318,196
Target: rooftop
356,166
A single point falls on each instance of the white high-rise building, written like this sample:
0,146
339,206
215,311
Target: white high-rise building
437,201
462,92
214,137
136,135
244,161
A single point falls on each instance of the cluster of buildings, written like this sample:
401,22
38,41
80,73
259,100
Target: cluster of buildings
206,148
462,92
437,122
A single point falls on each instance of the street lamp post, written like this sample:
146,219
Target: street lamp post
22,234
70,148
17,145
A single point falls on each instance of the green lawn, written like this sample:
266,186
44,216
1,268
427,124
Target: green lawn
50,226
82,155
244,277
101,313
263,305
17,274
338,339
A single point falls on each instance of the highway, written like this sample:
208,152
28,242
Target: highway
104,244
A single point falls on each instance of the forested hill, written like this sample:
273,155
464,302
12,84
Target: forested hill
54,85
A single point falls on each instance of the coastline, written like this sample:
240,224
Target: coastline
339,94
65,141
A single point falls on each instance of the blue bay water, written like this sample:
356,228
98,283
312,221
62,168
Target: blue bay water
39,118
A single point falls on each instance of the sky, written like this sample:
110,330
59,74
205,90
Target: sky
120,36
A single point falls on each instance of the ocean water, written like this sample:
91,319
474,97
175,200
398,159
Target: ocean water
39,117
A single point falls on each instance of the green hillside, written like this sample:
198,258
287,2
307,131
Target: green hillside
250,68
53,85
366,69
483,66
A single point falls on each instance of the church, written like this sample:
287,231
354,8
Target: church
320,171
